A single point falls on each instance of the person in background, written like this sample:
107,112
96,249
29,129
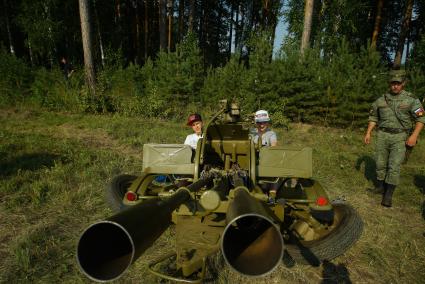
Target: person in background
195,121
66,68
399,117
263,122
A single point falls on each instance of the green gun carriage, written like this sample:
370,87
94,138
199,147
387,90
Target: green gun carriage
257,205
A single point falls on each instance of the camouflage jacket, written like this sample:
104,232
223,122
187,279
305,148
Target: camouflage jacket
397,111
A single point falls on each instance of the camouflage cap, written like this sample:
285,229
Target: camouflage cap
397,76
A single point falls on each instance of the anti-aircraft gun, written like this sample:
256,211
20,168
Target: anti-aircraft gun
255,203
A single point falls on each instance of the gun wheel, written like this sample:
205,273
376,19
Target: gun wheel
116,190
343,233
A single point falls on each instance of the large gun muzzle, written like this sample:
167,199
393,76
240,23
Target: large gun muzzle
107,248
251,243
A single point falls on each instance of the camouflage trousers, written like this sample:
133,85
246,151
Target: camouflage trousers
389,155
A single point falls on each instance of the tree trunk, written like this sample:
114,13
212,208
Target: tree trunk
202,24
162,28
117,14
232,11
192,15
30,52
138,32
170,22
237,28
308,15
9,33
320,40
87,43
403,34
51,45
181,21
377,26
273,36
272,21
146,29
406,63
99,35
265,21
244,16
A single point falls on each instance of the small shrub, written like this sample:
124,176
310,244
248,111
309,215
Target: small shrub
15,78
52,91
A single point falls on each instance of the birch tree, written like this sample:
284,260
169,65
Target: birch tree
9,33
403,34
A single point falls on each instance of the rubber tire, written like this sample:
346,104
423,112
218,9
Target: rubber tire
116,190
338,241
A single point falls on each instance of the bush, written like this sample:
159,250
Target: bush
225,83
121,90
336,90
52,91
177,77
15,79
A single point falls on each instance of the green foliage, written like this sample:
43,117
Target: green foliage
416,83
52,91
419,55
121,90
334,92
176,77
149,90
350,82
39,20
254,87
225,83
297,82
114,59
15,77
260,82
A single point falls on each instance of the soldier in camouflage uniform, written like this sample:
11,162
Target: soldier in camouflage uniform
399,117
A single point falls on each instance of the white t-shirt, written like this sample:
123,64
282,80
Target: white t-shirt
192,140
267,139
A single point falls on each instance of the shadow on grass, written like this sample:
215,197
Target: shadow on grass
419,182
305,253
215,265
369,168
335,273
31,162
423,212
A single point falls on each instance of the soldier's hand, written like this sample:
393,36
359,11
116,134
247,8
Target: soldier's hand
367,138
411,141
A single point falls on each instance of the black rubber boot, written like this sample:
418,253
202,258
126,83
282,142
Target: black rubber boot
388,195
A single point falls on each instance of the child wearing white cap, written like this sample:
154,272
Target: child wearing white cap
263,122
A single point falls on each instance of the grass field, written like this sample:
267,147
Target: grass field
54,168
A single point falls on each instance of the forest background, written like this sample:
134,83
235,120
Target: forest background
139,56
140,67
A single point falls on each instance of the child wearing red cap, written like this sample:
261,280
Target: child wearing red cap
195,121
